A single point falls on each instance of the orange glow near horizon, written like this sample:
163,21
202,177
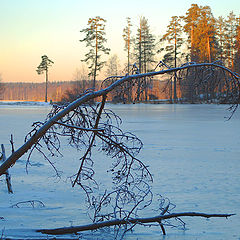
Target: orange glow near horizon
29,30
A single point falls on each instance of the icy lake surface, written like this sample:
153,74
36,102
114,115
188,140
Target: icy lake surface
193,153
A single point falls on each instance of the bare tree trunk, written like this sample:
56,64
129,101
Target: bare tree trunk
175,77
140,61
95,67
129,92
209,50
128,51
192,47
46,97
170,91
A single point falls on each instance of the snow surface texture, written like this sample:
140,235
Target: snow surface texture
193,153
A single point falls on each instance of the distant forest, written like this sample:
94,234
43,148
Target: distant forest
58,90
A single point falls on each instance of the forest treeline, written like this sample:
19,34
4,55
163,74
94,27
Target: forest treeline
58,91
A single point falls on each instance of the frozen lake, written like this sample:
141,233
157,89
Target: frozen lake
193,153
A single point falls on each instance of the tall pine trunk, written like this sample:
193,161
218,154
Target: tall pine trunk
140,62
95,67
175,65
209,49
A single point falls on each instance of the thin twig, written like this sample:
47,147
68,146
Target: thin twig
80,128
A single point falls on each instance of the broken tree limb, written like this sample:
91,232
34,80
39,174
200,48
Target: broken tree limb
8,176
12,143
10,161
159,218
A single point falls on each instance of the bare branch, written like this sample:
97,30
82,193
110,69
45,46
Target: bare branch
32,203
94,226
79,128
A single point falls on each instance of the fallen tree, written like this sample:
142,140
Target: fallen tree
88,126
117,222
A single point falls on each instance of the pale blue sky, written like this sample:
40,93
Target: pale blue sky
32,28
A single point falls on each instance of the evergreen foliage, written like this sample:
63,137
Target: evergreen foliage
200,29
237,47
174,38
128,41
43,67
230,36
144,46
95,40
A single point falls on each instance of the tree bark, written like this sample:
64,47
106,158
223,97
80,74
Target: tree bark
175,65
96,60
46,97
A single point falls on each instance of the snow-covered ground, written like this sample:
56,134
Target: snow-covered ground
23,103
193,153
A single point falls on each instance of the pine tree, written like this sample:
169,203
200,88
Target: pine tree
95,39
149,50
138,56
128,44
230,35
200,28
144,46
174,38
144,54
43,67
220,35
237,47
191,22
138,46
128,40
206,35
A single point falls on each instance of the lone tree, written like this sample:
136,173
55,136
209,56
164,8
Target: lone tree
43,66
95,40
